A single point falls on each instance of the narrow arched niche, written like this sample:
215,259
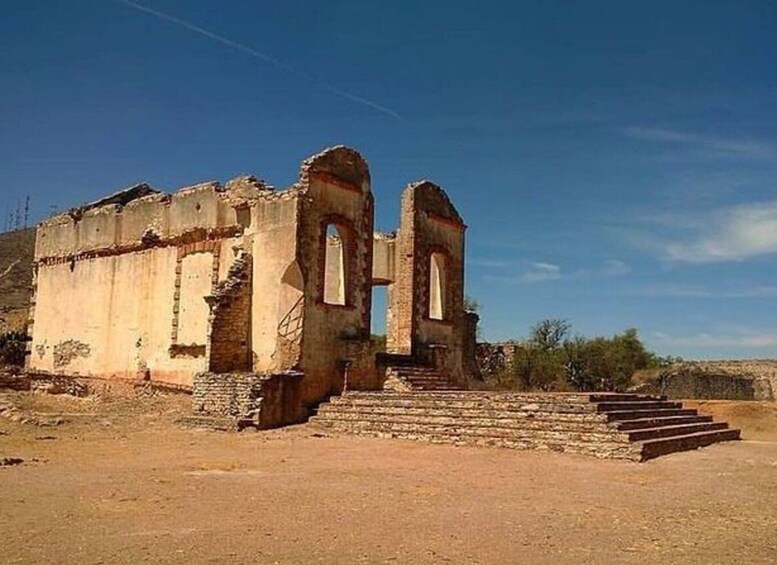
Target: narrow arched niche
437,286
335,266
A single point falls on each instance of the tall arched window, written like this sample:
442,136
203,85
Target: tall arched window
335,270
437,286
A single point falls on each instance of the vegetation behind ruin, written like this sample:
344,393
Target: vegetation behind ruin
553,359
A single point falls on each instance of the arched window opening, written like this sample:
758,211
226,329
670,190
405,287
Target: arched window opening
437,286
335,266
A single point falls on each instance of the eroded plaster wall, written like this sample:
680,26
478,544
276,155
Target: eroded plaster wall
119,288
336,336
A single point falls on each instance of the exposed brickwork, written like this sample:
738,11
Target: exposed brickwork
229,343
429,224
263,400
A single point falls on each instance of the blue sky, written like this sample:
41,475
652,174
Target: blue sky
616,161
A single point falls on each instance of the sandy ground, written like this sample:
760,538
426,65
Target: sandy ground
115,484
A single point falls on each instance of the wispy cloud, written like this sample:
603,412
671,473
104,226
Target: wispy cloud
752,339
735,233
490,263
251,52
541,271
713,145
615,268
669,290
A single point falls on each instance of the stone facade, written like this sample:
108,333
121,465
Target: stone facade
241,279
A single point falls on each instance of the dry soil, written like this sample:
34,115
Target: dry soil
120,482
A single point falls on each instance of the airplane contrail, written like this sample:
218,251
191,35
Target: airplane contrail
261,56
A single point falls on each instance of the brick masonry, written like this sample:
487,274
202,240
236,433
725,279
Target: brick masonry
266,400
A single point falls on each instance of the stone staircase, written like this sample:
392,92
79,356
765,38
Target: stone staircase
417,378
404,373
621,426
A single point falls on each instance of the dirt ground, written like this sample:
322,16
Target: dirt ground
118,481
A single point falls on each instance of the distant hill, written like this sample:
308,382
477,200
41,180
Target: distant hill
16,255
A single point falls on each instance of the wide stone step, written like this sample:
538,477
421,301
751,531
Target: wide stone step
664,446
482,420
458,412
645,423
624,397
602,449
617,406
623,415
680,430
414,370
465,431
408,401
577,398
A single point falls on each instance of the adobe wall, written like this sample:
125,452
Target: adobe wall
337,191
241,279
119,289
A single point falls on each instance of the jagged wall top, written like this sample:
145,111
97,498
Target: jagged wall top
340,162
426,196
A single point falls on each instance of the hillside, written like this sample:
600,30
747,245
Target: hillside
16,255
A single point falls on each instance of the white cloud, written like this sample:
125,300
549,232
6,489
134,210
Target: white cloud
714,146
730,234
733,233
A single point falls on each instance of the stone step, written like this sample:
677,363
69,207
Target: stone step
602,449
416,400
624,397
483,420
619,406
679,430
627,426
663,446
414,370
470,395
458,412
644,423
465,431
623,415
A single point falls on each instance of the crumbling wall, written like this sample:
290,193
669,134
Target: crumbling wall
126,279
277,284
702,385
754,379
336,336
494,359
229,340
267,400
430,225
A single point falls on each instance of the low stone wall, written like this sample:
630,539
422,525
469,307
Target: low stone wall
494,358
268,400
706,386
722,380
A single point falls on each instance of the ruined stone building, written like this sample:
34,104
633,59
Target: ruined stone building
259,300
